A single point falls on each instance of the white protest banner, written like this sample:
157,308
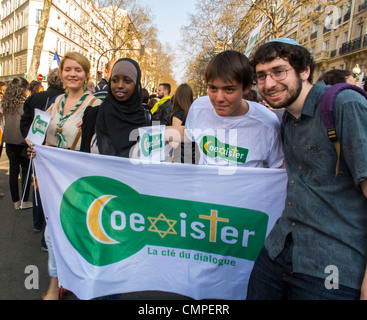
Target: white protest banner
38,129
152,143
117,226
252,40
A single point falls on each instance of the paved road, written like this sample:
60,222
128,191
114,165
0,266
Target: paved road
20,248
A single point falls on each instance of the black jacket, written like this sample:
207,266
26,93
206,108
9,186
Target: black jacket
38,100
163,112
101,89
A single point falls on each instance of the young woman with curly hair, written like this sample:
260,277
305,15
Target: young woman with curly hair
16,147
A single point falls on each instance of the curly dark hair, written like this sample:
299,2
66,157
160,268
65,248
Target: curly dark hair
297,56
14,96
54,79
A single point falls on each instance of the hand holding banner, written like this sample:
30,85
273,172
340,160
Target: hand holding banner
38,129
152,142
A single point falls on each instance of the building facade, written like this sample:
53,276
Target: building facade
74,25
338,38
335,32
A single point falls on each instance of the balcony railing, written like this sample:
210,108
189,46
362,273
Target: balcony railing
326,29
351,46
333,53
314,35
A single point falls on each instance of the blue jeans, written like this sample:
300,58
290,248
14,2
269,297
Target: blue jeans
275,280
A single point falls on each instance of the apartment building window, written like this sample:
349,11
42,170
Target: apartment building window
362,6
361,30
314,31
20,42
339,18
326,45
38,16
345,37
337,43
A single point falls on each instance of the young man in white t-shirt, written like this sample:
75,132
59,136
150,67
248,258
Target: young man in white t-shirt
227,129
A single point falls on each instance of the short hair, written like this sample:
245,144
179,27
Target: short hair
34,86
166,86
152,102
230,66
54,79
2,83
110,64
78,57
145,95
335,76
297,56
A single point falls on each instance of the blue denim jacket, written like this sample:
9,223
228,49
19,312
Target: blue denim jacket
327,215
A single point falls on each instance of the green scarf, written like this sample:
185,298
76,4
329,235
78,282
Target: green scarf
63,119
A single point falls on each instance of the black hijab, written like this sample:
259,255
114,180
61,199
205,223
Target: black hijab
116,120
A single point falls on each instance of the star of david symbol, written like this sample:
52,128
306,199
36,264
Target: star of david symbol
170,224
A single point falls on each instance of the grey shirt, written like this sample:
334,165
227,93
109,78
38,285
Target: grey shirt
327,215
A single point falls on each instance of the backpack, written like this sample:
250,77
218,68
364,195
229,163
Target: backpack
326,113
148,117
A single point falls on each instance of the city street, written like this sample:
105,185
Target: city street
20,247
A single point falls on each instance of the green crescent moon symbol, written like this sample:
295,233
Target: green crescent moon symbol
94,220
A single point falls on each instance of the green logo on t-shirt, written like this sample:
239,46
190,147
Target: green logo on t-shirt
214,148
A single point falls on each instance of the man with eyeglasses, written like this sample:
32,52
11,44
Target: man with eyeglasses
317,249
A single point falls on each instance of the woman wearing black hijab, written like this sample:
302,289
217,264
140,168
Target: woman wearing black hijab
120,113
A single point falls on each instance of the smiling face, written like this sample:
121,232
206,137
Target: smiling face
73,75
226,98
122,87
281,93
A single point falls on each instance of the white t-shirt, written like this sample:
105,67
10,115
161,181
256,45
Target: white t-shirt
249,140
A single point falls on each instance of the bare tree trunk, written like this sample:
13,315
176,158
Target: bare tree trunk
38,43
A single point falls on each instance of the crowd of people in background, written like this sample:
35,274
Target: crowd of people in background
248,95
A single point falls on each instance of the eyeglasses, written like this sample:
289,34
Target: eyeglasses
277,75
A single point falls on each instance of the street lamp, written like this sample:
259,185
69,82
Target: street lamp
356,72
142,50
357,69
